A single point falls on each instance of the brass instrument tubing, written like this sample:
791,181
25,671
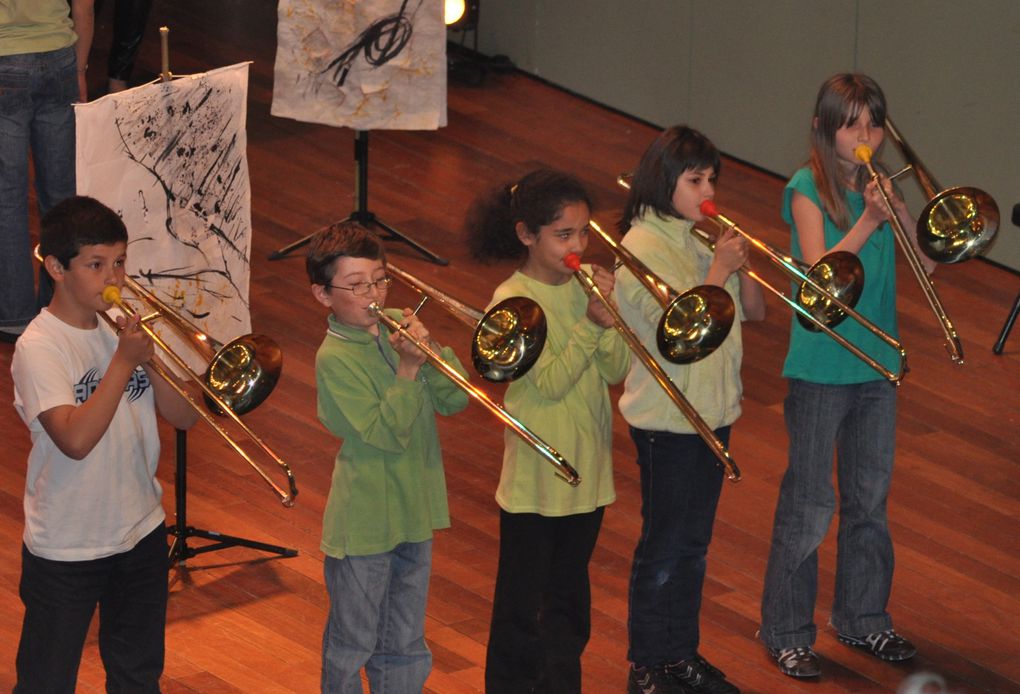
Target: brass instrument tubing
657,372
563,469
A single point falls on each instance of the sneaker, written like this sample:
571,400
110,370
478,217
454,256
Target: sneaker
698,675
887,645
801,661
647,680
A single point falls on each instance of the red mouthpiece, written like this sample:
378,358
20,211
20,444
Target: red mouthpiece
572,261
708,208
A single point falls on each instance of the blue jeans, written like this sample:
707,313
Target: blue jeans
37,91
377,621
60,598
858,423
680,485
541,609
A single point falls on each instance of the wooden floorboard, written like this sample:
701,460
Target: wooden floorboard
240,621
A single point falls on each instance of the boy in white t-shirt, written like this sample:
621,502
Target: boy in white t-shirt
94,521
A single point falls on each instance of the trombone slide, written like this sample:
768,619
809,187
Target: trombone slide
792,269
953,346
112,296
573,262
563,468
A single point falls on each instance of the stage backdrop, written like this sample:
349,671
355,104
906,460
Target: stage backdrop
170,159
370,64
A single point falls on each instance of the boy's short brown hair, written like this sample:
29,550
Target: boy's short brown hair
347,239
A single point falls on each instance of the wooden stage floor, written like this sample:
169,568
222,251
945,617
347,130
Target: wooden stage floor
243,621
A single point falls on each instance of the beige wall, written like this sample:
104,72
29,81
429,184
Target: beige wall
746,73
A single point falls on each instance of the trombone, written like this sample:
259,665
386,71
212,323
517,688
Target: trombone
828,292
697,295
240,375
955,225
693,323
563,468
506,341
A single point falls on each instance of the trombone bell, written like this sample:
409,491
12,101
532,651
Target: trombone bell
695,324
957,224
509,339
841,274
244,372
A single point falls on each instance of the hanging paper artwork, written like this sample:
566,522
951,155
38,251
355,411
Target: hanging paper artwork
170,159
369,64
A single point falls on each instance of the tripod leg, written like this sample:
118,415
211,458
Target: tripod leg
290,248
181,531
1008,326
397,236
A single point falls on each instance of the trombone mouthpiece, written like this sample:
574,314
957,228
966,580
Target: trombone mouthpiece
111,295
708,208
572,261
863,152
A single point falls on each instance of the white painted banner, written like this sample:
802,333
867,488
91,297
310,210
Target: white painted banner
170,159
365,64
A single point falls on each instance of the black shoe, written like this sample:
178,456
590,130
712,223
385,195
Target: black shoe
886,645
797,662
697,675
647,680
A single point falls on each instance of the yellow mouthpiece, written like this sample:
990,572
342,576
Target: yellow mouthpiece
111,295
863,152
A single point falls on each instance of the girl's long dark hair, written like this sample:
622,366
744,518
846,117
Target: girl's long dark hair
536,200
676,150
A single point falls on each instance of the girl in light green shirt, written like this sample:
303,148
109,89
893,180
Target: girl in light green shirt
542,604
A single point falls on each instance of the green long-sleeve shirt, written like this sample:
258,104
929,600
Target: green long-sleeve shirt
564,399
388,483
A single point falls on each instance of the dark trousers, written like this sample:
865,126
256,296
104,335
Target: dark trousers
680,485
541,612
60,598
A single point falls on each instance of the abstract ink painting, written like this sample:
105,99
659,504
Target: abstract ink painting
170,159
369,64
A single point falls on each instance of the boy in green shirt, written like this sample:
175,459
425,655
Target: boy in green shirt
388,492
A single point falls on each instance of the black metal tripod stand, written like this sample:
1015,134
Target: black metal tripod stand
1008,326
180,552
361,213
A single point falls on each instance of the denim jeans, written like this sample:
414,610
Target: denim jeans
858,423
680,485
60,599
377,621
37,91
541,611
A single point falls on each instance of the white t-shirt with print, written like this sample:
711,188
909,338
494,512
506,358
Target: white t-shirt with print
103,504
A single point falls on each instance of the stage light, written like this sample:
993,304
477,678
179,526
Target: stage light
462,15
454,11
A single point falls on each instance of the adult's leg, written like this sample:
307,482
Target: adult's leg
17,290
803,513
402,660
565,616
132,617
59,598
864,560
129,18
513,657
53,138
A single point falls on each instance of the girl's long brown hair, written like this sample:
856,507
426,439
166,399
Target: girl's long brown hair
840,102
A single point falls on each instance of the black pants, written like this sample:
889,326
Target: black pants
129,18
541,612
60,598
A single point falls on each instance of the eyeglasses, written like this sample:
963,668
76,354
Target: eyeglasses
363,288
